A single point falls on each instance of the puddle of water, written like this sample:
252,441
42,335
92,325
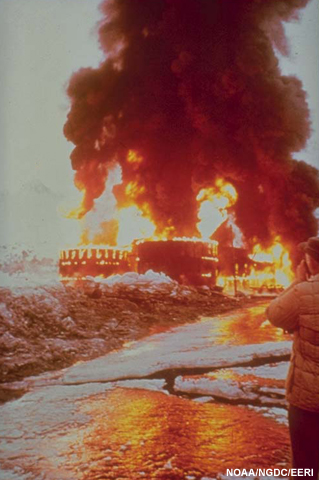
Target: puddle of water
245,327
241,327
134,434
167,437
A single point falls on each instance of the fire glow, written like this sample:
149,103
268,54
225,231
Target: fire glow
214,203
279,271
130,225
134,222
186,132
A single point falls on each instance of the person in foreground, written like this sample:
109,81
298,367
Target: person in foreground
297,310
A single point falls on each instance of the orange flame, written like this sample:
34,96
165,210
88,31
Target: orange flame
279,271
133,190
214,203
266,271
110,224
134,158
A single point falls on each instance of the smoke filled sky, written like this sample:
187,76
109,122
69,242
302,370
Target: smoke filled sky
44,42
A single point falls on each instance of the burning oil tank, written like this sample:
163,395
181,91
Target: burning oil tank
93,261
187,261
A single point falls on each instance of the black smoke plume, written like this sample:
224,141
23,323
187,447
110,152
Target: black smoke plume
195,89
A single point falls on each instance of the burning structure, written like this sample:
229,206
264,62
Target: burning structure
81,262
191,110
187,261
240,270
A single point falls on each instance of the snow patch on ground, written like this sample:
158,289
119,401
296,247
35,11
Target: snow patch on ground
227,389
278,414
272,370
264,384
160,353
136,279
150,282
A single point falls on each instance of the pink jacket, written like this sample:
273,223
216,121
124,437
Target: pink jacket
297,309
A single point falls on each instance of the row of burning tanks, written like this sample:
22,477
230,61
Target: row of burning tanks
188,261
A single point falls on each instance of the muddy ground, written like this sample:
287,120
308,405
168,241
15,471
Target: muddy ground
52,327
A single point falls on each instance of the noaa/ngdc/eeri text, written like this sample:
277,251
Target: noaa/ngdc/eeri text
270,472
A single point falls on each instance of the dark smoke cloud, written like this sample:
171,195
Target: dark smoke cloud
194,87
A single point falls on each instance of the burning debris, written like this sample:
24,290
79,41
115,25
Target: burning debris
261,271
188,128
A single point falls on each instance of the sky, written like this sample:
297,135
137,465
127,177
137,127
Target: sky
42,43
303,61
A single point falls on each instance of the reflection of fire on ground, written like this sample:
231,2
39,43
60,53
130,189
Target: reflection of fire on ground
148,434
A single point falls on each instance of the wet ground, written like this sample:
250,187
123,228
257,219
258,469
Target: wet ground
53,325
187,403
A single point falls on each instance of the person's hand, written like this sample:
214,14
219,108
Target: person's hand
302,272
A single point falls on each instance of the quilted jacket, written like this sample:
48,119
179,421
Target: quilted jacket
297,310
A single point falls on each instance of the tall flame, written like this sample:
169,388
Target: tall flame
133,224
280,268
214,203
109,224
